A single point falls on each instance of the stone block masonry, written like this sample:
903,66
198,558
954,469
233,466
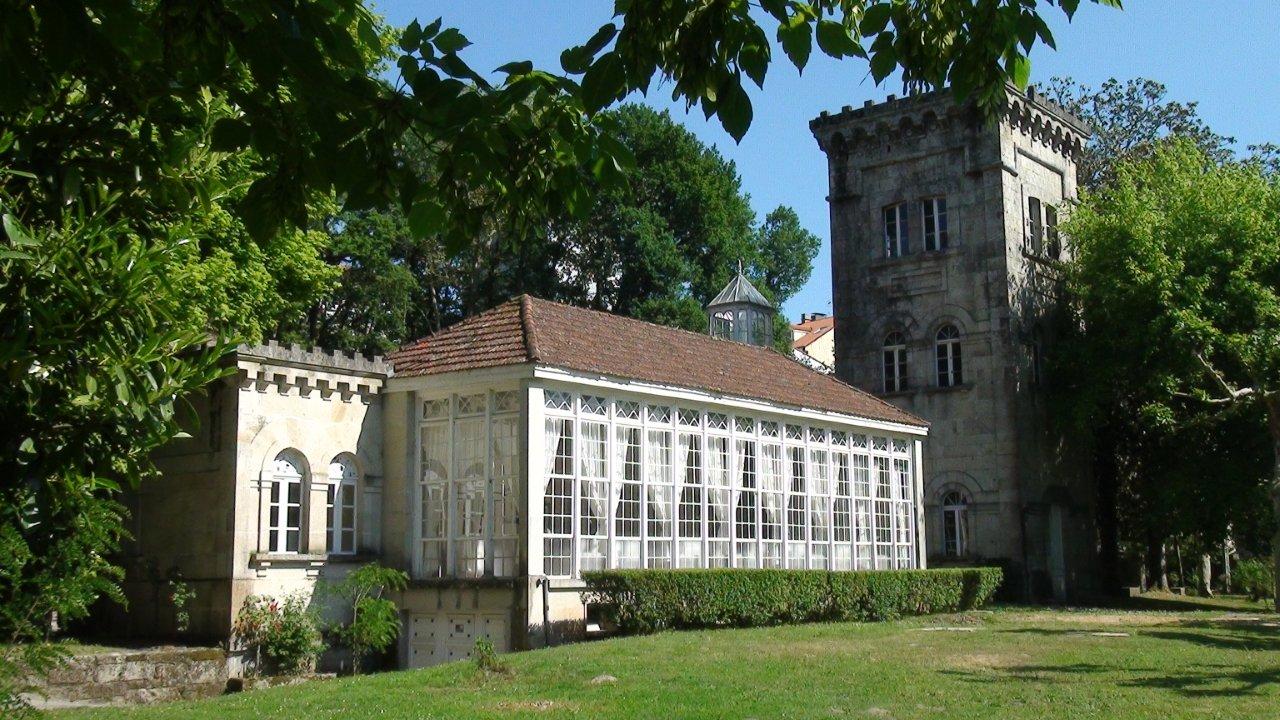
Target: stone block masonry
130,677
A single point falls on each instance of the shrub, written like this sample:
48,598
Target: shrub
181,594
285,633
485,657
651,600
1255,578
374,620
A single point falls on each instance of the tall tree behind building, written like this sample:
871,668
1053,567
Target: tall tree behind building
657,247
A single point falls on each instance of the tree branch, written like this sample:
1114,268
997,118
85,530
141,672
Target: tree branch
1232,394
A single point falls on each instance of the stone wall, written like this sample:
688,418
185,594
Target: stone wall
129,677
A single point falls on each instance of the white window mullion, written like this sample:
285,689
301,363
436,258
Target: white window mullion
450,493
489,480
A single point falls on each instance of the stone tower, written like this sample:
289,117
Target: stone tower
945,263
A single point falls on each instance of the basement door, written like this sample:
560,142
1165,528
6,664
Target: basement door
435,639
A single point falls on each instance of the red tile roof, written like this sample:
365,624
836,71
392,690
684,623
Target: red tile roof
808,338
529,330
814,324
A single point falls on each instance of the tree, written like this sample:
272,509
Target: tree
1129,120
95,362
658,247
785,253
1177,272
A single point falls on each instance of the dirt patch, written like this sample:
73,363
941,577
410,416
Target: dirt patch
1099,618
987,661
534,705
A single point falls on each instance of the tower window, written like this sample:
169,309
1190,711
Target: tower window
934,211
895,362
948,356
955,525
1035,226
897,231
1051,231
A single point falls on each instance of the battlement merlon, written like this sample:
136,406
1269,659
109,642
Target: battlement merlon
315,359
1029,112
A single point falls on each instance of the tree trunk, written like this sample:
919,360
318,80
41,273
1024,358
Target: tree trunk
1226,564
1206,575
1144,582
1182,574
1106,484
1273,421
1152,562
1164,566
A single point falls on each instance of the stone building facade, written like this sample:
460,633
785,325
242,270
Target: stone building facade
498,459
945,265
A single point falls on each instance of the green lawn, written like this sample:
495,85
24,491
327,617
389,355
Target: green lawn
1010,663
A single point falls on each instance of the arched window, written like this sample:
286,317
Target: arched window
955,525
342,505
895,362
948,355
284,527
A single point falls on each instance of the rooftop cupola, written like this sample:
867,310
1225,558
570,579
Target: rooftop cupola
741,313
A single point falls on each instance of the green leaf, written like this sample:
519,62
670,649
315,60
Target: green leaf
883,63
426,217
797,41
876,19
1019,69
451,41
603,82
411,37
834,39
754,61
16,234
522,67
600,39
734,109
575,60
776,8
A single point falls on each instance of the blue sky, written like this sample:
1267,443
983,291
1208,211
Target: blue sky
1222,54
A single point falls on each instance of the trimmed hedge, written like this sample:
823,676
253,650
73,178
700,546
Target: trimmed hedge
643,601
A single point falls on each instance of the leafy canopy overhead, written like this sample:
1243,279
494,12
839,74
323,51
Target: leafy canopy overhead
116,83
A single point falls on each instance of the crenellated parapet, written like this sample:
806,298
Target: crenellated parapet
293,369
909,118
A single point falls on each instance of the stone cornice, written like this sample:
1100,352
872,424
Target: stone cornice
918,114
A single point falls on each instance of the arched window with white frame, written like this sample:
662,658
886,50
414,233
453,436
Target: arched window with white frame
284,523
955,525
341,505
950,372
895,362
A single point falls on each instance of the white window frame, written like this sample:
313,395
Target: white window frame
933,211
955,509
287,471
342,493
896,221
947,356
894,362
